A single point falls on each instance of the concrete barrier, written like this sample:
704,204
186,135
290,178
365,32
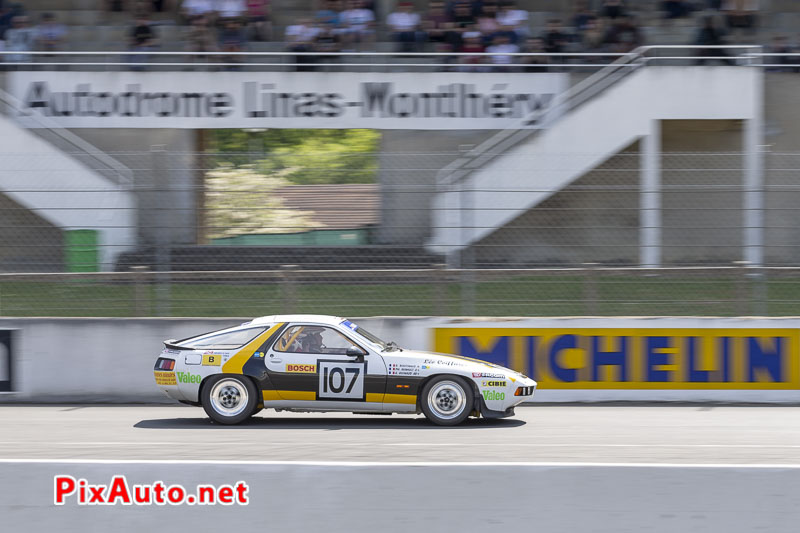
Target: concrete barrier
365,497
110,359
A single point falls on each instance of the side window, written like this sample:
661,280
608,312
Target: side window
224,341
314,340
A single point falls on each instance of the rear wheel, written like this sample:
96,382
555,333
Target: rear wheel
446,400
229,399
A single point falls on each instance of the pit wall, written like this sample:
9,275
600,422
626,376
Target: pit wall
574,359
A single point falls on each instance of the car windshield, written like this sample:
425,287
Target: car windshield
371,337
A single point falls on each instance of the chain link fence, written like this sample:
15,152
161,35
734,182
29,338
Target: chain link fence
242,234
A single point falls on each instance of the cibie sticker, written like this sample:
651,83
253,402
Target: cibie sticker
341,381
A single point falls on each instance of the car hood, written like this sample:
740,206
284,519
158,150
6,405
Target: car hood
440,360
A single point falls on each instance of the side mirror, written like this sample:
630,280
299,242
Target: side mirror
356,352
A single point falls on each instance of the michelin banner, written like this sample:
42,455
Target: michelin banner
422,101
636,358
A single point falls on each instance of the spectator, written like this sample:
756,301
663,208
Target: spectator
675,9
472,44
231,39
327,40
741,14
300,37
535,45
258,19
780,45
711,36
487,21
437,25
593,38
191,9
358,22
613,9
555,40
404,25
330,13
463,20
513,19
201,36
7,14
623,36
583,16
142,38
230,9
500,48
49,34
19,38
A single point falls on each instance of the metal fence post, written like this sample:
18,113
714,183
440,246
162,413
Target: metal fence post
439,289
141,298
759,282
163,228
590,288
288,289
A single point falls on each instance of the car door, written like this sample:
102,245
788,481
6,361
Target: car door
309,366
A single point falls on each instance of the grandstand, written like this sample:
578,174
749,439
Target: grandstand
91,25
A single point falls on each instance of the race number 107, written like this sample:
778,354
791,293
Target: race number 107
341,380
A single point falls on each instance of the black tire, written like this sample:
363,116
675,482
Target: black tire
229,399
447,400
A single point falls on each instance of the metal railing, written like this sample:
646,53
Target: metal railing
747,55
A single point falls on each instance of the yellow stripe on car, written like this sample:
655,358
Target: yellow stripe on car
235,363
400,398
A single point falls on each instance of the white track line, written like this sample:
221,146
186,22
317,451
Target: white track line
396,463
430,444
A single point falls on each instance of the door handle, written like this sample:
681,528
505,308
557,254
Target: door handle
274,360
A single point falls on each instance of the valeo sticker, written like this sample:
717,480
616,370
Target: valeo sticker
188,377
489,395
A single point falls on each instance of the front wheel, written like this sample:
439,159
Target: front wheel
446,400
229,399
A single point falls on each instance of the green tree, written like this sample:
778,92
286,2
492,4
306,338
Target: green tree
303,156
240,201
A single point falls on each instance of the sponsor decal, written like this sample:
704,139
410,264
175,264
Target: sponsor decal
188,377
341,381
258,354
493,395
211,359
301,369
425,367
494,383
637,358
403,369
443,362
165,378
486,375
350,325
172,352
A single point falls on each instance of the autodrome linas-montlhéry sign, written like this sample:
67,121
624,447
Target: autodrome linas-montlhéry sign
636,358
432,100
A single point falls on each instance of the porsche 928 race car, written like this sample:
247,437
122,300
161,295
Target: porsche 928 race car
324,363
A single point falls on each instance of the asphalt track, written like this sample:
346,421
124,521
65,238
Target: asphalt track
604,469
586,434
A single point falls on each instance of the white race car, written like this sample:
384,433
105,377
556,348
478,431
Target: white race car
324,363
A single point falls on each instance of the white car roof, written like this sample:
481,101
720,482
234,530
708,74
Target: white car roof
315,319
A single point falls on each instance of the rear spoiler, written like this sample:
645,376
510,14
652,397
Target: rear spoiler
172,345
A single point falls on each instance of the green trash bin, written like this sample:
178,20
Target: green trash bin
81,252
